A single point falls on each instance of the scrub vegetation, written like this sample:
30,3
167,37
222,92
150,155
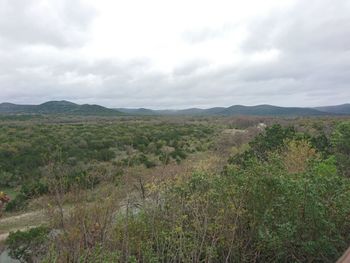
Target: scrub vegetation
177,189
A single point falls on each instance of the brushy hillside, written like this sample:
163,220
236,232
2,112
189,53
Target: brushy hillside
115,193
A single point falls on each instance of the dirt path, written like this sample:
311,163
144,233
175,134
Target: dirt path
3,237
21,216
20,222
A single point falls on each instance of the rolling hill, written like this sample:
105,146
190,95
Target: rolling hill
70,108
269,110
58,107
259,110
338,109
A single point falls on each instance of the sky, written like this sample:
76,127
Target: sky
165,54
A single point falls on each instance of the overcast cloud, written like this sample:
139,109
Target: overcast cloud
175,54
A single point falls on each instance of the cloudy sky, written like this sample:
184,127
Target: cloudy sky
175,54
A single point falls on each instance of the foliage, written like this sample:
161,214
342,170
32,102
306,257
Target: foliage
296,217
275,138
271,139
290,206
282,198
4,199
321,143
28,149
341,144
262,213
28,191
27,246
297,155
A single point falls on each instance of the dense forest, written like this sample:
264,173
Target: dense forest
177,189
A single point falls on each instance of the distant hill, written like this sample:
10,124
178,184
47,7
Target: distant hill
58,107
269,110
15,108
184,112
140,111
259,110
338,109
70,108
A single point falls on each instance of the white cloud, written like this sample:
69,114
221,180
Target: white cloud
172,54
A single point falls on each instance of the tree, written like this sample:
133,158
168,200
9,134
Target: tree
297,155
341,144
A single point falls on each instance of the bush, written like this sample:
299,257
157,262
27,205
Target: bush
273,139
285,201
28,191
262,213
28,246
18,203
299,216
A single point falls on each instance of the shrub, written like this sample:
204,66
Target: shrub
28,246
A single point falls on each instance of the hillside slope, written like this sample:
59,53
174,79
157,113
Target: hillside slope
58,107
70,108
338,109
269,110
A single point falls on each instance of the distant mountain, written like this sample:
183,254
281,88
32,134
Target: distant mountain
259,110
338,109
269,110
184,112
15,108
215,110
70,108
140,111
58,107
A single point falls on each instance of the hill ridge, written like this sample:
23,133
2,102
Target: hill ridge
58,107
70,108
